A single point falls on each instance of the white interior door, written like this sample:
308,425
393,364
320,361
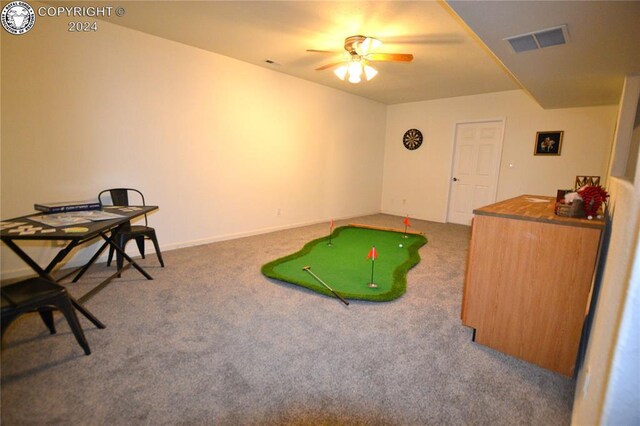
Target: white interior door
476,163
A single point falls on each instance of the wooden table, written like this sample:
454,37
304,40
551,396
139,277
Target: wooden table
529,279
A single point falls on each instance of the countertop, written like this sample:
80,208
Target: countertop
536,208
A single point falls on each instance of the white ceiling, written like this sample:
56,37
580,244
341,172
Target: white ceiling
603,47
449,59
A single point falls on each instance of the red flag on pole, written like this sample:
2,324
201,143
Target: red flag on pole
331,224
406,221
373,255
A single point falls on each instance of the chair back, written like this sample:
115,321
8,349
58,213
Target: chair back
120,197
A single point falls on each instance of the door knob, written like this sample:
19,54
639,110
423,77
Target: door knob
455,179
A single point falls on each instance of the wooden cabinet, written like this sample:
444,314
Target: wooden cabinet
528,281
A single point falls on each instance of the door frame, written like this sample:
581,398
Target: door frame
502,119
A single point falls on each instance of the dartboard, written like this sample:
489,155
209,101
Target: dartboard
412,139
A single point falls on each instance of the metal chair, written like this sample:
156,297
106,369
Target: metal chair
126,232
41,295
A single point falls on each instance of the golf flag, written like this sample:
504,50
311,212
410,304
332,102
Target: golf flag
407,223
372,254
330,232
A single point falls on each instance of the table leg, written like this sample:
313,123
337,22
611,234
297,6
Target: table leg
87,314
90,262
88,295
61,255
26,259
126,256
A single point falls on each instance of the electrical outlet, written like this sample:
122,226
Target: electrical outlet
279,212
404,201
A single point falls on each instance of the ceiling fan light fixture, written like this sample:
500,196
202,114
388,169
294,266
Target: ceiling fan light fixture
355,71
368,45
370,72
354,79
359,49
341,71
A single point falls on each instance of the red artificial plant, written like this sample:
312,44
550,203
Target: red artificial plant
592,198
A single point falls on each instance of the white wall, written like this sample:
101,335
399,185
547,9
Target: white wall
422,177
225,148
608,385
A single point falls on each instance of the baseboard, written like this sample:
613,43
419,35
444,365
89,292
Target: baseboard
397,213
260,231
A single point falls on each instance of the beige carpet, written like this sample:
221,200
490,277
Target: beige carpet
212,341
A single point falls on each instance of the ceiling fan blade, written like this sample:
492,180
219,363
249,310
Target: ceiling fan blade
327,66
333,52
442,38
397,57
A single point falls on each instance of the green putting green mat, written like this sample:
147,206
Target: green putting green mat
343,264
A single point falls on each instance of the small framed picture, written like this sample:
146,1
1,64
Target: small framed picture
548,143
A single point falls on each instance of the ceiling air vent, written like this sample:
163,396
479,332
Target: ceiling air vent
539,39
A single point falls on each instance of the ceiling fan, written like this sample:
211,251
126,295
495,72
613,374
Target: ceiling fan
361,52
